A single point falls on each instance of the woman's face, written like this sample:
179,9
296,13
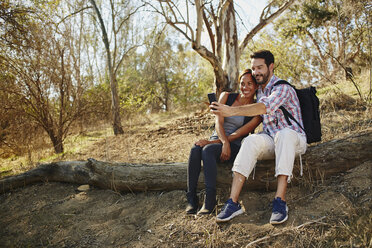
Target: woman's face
247,86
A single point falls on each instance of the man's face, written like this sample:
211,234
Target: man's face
260,70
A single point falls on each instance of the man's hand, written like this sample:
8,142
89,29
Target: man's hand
220,109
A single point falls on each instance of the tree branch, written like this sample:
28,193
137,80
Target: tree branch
263,22
174,23
199,22
72,14
210,32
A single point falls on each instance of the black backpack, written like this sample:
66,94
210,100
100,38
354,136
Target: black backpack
309,104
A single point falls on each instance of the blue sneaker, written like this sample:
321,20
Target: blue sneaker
280,211
229,211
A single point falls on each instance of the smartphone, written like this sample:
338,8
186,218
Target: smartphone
212,98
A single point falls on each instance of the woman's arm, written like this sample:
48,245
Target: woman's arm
220,120
226,149
242,131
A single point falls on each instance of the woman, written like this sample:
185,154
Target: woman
222,146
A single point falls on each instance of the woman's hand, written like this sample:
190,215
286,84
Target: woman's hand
202,142
226,152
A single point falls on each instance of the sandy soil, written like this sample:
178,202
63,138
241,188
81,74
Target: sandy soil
333,213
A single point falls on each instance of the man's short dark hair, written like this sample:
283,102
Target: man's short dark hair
264,54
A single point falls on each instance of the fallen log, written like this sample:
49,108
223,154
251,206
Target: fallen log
320,162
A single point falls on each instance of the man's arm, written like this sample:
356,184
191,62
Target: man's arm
244,110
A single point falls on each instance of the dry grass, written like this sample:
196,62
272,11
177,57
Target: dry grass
165,137
342,110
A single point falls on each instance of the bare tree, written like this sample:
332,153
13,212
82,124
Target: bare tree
218,19
42,76
115,57
118,129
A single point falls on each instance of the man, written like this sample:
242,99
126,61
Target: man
278,139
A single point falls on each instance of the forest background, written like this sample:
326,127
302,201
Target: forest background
70,66
127,81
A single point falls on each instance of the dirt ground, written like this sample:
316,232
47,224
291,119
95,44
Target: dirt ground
334,213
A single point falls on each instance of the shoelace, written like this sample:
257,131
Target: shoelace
278,207
226,206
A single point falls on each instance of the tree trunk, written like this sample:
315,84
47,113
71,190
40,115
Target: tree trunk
115,105
232,54
56,141
58,146
220,79
320,162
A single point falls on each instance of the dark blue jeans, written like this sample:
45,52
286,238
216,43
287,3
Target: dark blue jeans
210,155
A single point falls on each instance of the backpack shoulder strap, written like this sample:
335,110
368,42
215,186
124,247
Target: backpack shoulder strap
283,82
231,98
288,115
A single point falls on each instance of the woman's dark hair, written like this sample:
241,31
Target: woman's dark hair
264,54
245,72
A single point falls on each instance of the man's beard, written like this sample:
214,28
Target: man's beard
265,78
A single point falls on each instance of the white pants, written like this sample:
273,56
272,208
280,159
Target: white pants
284,147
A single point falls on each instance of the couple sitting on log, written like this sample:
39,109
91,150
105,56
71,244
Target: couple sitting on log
278,140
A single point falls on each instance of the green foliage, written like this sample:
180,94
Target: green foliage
316,13
331,36
98,98
165,76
